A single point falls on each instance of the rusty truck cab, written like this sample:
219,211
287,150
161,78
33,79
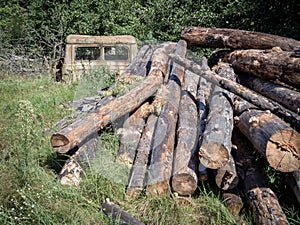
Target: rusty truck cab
84,52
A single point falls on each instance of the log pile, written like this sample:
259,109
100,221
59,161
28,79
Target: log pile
185,118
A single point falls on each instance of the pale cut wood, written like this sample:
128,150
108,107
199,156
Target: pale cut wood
236,39
160,169
78,131
270,65
271,136
239,90
138,173
283,95
262,200
184,178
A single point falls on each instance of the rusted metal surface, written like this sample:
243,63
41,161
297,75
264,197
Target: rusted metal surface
83,53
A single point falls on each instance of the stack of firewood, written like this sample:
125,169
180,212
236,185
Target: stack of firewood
186,117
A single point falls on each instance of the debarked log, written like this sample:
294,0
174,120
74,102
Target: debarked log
138,173
262,200
185,163
269,65
239,90
236,39
275,140
160,168
78,131
285,96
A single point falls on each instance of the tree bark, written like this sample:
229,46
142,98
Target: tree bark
239,90
269,65
285,96
141,63
138,172
261,198
293,180
160,169
74,167
118,215
216,144
184,179
275,140
77,132
235,39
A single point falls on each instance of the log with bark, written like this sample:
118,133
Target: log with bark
239,90
261,198
216,143
141,63
185,165
160,169
233,201
267,64
138,173
281,94
236,39
78,132
118,215
275,140
293,180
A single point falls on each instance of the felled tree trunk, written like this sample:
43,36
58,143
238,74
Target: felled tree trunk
141,63
119,215
239,90
275,140
233,201
184,178
268,65
293,180
216,144
78,131
235,39
285,96
160,169
138,172
74,167
262,199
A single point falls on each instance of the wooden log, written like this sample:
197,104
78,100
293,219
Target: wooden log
137,181
118,215
78,131
285,96
141,63
185,163
216,144
262,199
293,180
74,167
239,90
269,64
160,169
236,39
131,132
233,201
275,140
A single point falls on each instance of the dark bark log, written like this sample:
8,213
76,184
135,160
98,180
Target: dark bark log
141,63
77,132
285,96
118,215
184,179
138,172
131,132
245,93
216,144
74,167
262,199
233,201
275,140
293,180
269,65
160,169
236,39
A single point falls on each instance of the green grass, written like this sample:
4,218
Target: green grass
29,192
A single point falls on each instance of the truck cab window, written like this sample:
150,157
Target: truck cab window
87,53
115,53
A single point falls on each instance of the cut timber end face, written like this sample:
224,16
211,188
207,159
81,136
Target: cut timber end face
287,146
218,157
60,143
184,184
